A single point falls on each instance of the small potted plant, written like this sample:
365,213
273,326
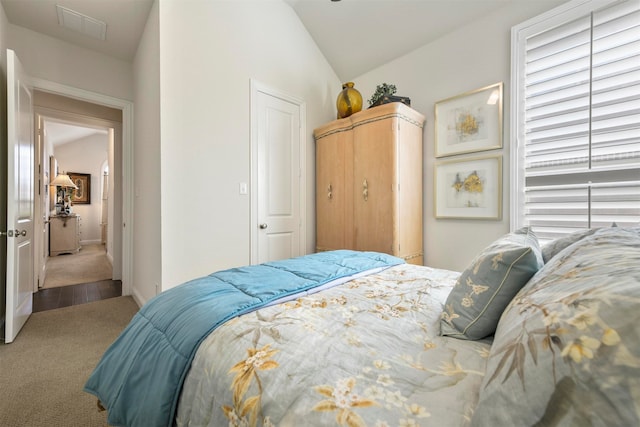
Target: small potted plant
384,94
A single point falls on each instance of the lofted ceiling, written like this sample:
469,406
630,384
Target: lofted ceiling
357,36
354,35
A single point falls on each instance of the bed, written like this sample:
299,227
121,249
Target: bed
526,335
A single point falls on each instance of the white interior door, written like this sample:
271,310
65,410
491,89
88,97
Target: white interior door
20,199
278,220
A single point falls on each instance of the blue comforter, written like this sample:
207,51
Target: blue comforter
139,378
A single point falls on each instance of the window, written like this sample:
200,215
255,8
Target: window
575,118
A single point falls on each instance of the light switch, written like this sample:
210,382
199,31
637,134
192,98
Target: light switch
243,188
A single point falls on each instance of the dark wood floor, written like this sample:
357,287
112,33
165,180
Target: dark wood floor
65,296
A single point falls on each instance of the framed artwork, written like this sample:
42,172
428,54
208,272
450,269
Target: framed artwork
469,188
469,122
82,195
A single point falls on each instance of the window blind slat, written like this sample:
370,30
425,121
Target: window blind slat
618,10
617,78
538,42
559,62
573,87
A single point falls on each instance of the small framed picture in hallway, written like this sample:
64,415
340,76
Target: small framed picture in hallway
82,195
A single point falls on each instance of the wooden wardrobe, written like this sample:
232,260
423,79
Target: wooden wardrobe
369,182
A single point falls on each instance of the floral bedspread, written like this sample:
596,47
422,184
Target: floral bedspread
365,353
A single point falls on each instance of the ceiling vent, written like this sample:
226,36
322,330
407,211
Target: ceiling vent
84,24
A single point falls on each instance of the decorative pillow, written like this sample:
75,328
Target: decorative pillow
484,289
554,247
567,348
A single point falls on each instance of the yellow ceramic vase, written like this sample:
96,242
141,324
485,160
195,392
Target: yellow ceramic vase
349,101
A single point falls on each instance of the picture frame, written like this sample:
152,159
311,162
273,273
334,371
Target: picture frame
469,188
469,122
82,195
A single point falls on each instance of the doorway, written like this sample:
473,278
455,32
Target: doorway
78,248
76,241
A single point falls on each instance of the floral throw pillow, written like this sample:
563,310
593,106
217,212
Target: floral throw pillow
567,349
486,287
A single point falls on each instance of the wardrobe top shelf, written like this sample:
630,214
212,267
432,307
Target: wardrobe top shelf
381,112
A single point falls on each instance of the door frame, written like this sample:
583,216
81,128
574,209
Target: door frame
126,252
257,87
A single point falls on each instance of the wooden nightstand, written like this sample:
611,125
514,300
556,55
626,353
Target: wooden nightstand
64,234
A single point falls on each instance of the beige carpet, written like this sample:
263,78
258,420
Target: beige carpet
43,371
88,265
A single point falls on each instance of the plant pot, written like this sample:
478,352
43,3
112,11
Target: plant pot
391,98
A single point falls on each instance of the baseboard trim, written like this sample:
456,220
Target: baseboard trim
138,298
90,242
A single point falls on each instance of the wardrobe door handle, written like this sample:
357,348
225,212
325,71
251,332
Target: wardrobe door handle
329,192
365,190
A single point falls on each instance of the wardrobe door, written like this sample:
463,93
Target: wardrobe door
333,195
375,186
410,195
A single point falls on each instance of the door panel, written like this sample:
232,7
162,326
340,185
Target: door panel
20,199
375,182
334,195
279,183
280,245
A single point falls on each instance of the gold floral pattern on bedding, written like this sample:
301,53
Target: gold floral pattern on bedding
366,353
246,371
567,349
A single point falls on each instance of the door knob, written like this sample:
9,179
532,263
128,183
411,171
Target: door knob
263,226
13,233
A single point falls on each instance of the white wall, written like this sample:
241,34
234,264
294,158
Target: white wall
86,155
472,57
147,239
209,53
61,62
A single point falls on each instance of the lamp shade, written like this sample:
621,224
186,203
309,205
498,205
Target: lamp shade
63,180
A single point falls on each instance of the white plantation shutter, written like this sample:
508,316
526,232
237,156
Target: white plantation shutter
576,118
